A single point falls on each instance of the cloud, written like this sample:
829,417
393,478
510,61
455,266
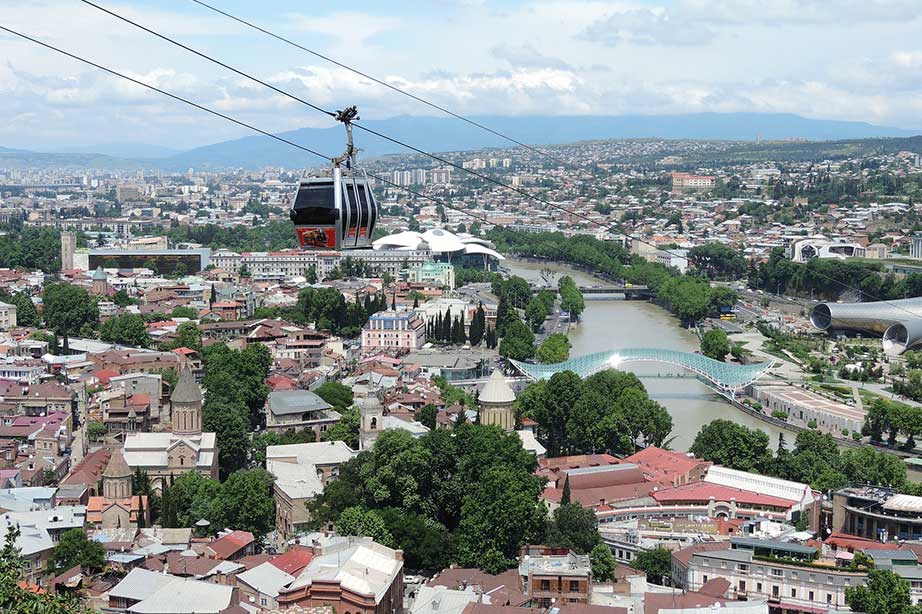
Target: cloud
526,56
647,27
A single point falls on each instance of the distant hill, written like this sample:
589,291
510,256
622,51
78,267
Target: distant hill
127,150
22,159
448,134
438,134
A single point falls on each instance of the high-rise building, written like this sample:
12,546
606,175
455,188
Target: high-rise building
440,176
68,247
126,192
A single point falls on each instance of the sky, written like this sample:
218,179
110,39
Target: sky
828,59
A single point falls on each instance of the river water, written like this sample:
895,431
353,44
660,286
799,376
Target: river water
615,324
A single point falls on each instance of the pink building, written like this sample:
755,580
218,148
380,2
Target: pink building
392,329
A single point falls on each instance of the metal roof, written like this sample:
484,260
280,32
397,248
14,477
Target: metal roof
287,402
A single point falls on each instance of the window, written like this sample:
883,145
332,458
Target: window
574,586
828,597
810,595
794,593
742,586
777,573
776,592
705,579
758,587
545,585
743,568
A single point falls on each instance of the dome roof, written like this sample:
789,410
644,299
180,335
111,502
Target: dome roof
497,390
186,391
117,467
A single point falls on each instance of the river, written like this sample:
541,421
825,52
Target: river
613,324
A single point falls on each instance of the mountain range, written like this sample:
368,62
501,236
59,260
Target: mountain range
436,134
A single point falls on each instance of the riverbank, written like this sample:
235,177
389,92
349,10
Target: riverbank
615,324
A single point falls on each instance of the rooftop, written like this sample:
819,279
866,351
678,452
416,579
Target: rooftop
287,402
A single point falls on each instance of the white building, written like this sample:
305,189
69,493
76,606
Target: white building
7,316
820,247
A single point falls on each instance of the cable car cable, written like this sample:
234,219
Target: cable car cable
383,83
210,59
164,92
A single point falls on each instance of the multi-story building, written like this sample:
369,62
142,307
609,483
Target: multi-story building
393,329
27,370
876,512
301,471
783,573
440,273
440,176
288,411
294,263
7,316
556,577
352,574
688,181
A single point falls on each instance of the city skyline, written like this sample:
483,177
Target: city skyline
599,58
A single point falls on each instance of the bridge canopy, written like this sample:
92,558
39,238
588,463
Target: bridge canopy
727,377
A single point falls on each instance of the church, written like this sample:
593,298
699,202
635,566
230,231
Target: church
186,448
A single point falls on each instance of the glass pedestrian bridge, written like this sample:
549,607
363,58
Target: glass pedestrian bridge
728,378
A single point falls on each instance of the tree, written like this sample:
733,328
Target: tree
603,563
125,329
499,513
535,312
335,394
565,493
575,527
230,423
478,326
717,261
244,271
656,563
346,429
75,548
184,311
555,348
67,309
884,593
187,335
15,599
247,502
359,521
715,344
26,314
518,342
730,444
96,431
426,415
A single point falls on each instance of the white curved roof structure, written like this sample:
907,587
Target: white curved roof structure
439,241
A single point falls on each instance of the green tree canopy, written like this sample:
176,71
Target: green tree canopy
75,548
732,445
68,309
125,329
715,344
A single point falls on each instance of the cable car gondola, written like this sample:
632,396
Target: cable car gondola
336,211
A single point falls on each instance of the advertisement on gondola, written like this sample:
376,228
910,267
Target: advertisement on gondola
312,236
